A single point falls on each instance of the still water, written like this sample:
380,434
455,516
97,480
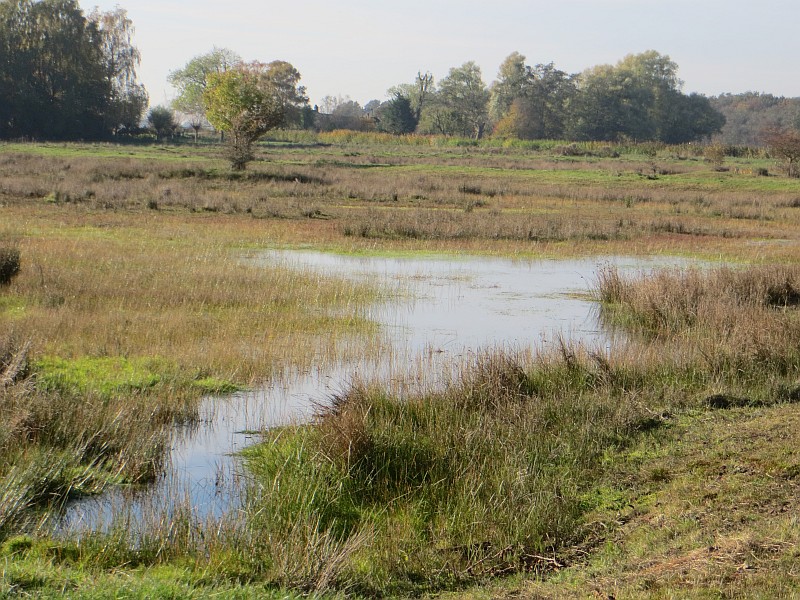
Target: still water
438,312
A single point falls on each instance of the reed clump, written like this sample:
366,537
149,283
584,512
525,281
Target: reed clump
734,325
485,477
732,304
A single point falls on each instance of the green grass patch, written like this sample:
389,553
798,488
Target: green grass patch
110,151
12,307
106,376
214,385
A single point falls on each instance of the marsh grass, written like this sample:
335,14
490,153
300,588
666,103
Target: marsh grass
56,445
135,298
476,196
426,224
433,491
496,473
164,304
726,319
117,327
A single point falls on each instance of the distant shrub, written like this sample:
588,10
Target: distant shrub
570,150
465,188
606,152
715,154
9,264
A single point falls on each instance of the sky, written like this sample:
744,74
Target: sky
361,48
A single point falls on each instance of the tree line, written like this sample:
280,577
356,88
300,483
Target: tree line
639,98
65,74
69,75
750,115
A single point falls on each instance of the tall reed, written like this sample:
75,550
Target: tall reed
485,477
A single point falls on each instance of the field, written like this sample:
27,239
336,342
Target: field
666,468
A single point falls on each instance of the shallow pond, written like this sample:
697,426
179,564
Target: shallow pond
438,312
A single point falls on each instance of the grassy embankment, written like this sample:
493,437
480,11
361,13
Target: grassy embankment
134,300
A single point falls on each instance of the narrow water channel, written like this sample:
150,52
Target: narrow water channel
440,310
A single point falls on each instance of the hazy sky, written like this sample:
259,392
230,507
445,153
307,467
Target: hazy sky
360,48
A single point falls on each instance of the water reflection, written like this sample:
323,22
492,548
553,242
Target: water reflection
439,311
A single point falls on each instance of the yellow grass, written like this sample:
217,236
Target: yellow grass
105,284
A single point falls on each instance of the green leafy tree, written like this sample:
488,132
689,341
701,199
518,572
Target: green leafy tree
308,117
514,79
53,78
418,93
598,112
396,116
128,99
539,104
243,102
192,81
640,98
440,118
688,118
66,76
656,87
463,100
549,99
162,121
284,80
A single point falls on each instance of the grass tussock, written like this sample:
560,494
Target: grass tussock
484,478
498,472
57,444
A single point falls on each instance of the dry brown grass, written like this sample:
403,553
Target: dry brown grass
470,199
102,284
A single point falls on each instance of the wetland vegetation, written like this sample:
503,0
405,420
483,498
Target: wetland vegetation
664,466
